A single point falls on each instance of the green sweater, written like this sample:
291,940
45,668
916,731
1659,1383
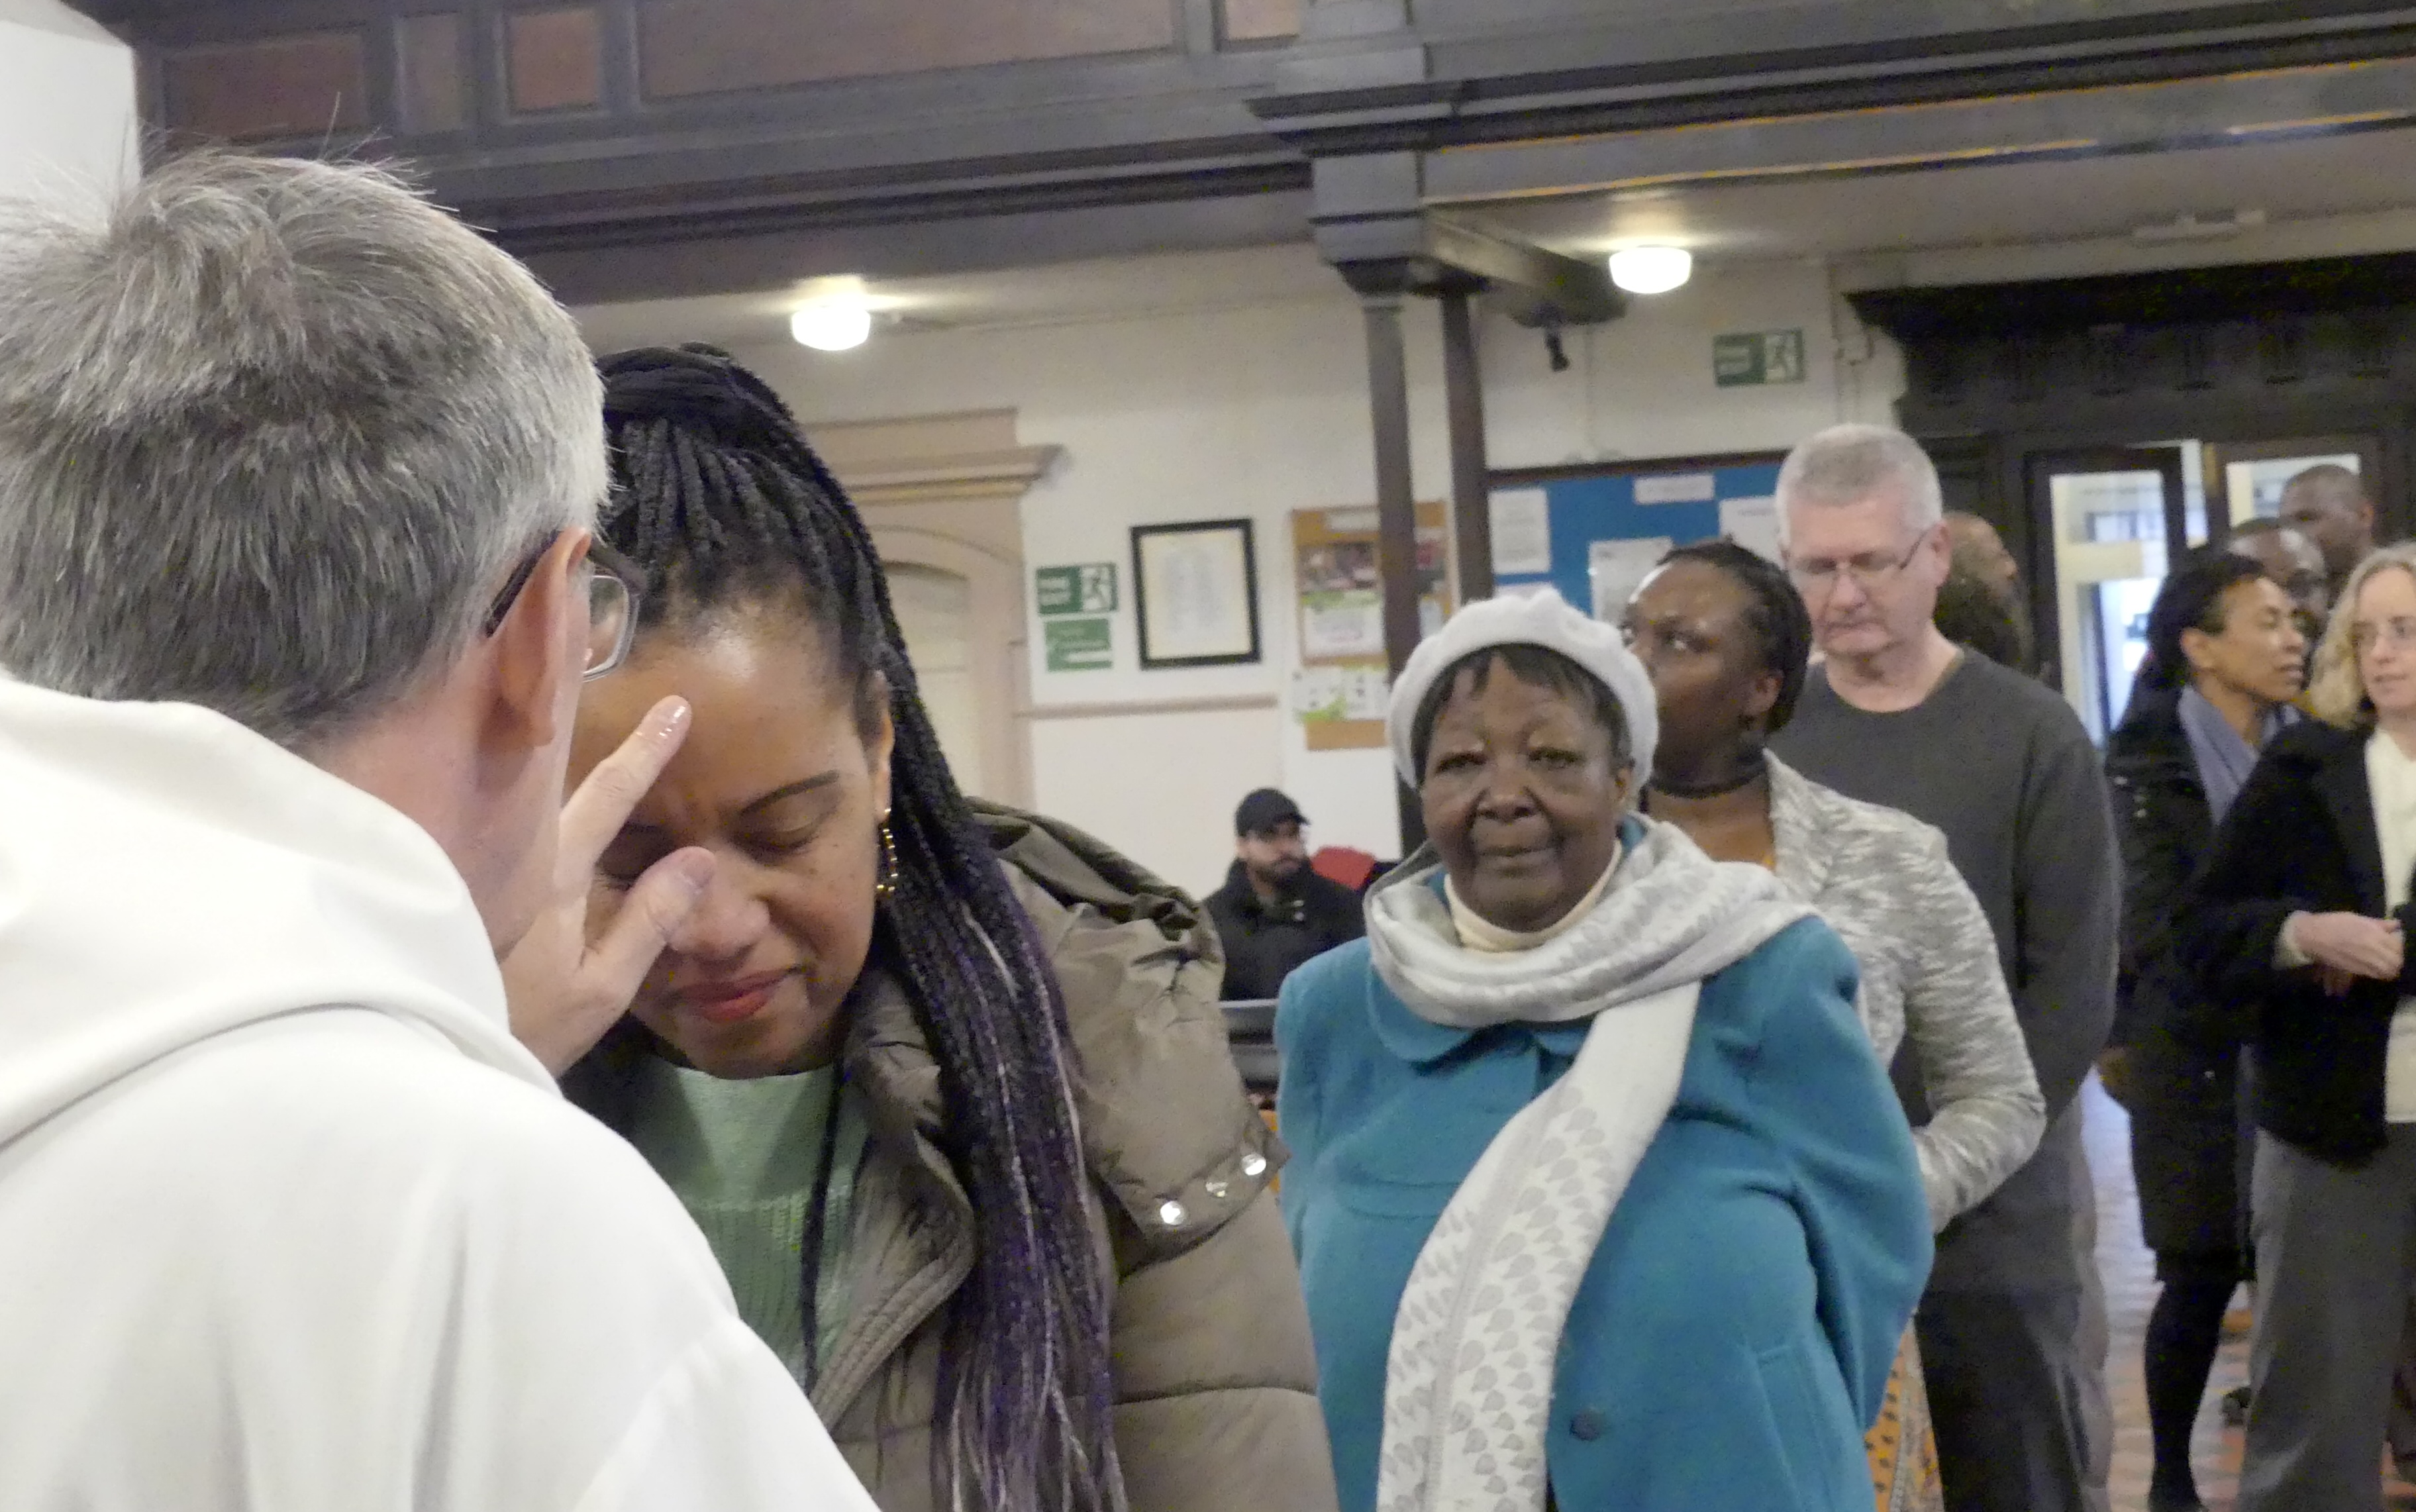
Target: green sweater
744,1158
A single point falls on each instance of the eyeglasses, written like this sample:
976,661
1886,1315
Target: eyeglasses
611,602
1817,580
2398,633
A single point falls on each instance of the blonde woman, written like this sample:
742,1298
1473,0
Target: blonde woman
2294,940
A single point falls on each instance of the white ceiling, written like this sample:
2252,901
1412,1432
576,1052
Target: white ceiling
2320,196
1997,205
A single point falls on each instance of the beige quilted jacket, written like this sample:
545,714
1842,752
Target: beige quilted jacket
1214,1378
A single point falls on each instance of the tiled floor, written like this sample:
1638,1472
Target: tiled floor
2130,1274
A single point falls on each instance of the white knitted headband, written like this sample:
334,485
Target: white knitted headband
1540,619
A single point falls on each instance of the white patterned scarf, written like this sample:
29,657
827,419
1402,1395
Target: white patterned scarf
1468,1384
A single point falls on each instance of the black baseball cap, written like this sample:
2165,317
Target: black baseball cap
1262,810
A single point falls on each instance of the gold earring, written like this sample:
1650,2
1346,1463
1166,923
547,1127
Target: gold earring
886,886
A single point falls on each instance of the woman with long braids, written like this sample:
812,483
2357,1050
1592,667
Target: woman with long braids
945,1086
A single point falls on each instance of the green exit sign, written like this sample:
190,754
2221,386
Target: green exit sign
1747,359
1088,589
1080,645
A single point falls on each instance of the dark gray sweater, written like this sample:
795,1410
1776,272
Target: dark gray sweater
2002,766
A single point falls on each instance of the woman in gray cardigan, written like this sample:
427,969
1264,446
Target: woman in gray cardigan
1726,638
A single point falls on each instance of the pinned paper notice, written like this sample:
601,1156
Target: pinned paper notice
1345,624
1317,692
1677,487
1522,531
1752,523
1618,567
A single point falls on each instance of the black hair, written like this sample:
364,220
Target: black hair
724,505
1533,664
1774,613
1974,612
2190,599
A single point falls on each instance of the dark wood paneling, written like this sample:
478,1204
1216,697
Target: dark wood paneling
2327,285
2217,355
557,60
1262,21
1635,70
277,86
911,246
2000,381
431,82
697,47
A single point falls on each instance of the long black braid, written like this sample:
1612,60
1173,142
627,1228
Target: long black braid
723,504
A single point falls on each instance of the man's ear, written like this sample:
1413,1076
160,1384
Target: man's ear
541,643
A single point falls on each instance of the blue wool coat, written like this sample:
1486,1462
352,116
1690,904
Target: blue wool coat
1734,1335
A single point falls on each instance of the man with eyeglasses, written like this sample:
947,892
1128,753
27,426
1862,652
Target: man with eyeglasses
2012,1329
298,588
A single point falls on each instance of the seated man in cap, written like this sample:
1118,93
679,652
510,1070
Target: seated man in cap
1274,911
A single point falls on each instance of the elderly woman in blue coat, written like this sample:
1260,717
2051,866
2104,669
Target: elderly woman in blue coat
1602,1200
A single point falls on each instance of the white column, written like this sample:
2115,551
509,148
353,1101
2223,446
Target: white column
67,120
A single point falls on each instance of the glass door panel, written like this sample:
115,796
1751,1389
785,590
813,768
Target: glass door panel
2112,514
2253,472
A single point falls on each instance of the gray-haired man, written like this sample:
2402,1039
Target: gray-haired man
2011,1328
295,481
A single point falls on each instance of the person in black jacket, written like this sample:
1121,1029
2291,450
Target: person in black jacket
1274,911
2294,936
2225,658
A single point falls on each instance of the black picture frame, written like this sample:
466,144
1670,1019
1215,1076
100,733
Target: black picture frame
1161,647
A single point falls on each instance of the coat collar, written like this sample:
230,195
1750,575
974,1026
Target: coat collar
914,1237
1795,831
2149,741
1422,1043
2339,779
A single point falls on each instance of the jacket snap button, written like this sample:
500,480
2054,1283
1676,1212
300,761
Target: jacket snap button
1172,1215
1254,1164
1586,1424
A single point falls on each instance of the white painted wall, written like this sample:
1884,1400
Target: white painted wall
68,122
1642,386
1260,410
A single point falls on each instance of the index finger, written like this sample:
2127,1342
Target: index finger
603,803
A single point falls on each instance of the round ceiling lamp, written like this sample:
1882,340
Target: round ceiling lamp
838,323
1650,269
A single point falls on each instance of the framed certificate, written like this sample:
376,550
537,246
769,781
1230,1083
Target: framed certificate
1195,593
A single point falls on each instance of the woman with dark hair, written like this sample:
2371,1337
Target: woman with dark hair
946,1086
2225,659
1600,1197
2293,937
1727,639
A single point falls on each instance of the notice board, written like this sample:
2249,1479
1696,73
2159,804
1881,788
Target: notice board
1339,689
1594,531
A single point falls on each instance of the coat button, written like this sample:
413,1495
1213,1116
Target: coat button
1254,1164
1586,1424
1172,1215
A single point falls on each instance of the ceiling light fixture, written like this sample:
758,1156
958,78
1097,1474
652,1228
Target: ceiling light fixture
836,323
1650,269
